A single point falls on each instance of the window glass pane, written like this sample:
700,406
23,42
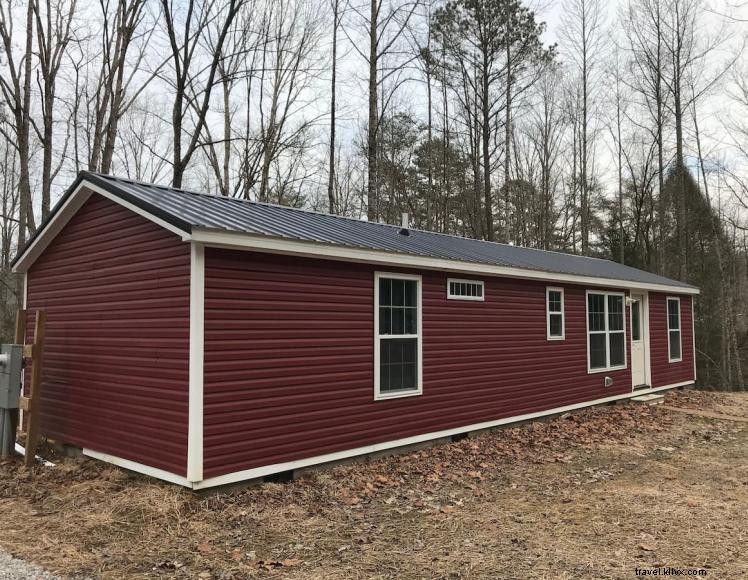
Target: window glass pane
597,351
385,292
673,315
465,289
398,292
554,301
596,308
398,364
617,350
411,293
615,312
385,320
398,321
411,321
674,344
556,324
636,321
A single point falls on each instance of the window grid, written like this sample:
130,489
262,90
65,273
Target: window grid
458,289
674,343
554,306
606,331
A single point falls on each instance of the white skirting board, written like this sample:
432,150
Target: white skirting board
258,472
22,451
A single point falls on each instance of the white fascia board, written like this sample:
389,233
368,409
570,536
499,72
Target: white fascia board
71,206
241,241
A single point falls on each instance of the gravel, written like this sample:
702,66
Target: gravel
14,569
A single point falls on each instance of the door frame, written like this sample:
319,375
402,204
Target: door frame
644,315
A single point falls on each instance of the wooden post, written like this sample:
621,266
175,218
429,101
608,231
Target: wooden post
37,350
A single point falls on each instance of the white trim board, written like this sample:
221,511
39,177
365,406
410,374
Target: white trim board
161,474
258,243
679,330
378,394
196,363
548,313
258,472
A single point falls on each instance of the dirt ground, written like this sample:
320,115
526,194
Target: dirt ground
595,494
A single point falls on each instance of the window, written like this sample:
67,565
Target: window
636,320
397,335
606,331
673,330
554,308
464,289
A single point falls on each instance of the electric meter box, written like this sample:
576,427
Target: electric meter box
11,370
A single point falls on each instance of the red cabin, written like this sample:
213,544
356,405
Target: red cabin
206,340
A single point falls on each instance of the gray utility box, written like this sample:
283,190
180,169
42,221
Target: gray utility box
11,370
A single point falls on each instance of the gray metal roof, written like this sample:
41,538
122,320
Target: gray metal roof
188,210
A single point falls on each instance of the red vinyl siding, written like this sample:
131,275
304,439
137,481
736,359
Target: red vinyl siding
663,371
289,359
115,288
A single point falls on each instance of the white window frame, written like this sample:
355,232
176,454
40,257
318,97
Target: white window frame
679,329
378,395
606,332
480,283
548,313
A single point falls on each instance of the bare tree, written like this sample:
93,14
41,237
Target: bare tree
583,35
294,28
193,78
53,33
121,79
15,84
643,25
385,25
337,15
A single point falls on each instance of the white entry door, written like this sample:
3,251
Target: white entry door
638,341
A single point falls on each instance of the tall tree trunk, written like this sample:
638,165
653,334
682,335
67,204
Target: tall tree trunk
622,251
585,188
430,141
486,137
507,145
661,205
332,206
372,210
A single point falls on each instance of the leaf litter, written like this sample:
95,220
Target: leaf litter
596,492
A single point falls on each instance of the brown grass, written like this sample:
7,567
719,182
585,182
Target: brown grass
594,495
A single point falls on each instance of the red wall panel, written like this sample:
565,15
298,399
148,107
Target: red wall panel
289,359
663,371
115,288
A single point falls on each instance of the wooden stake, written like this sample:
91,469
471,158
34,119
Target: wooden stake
32,430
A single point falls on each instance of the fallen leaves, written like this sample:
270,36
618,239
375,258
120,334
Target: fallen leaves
504,491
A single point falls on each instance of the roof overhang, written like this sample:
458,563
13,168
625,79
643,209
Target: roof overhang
260,243
69,205
87,184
